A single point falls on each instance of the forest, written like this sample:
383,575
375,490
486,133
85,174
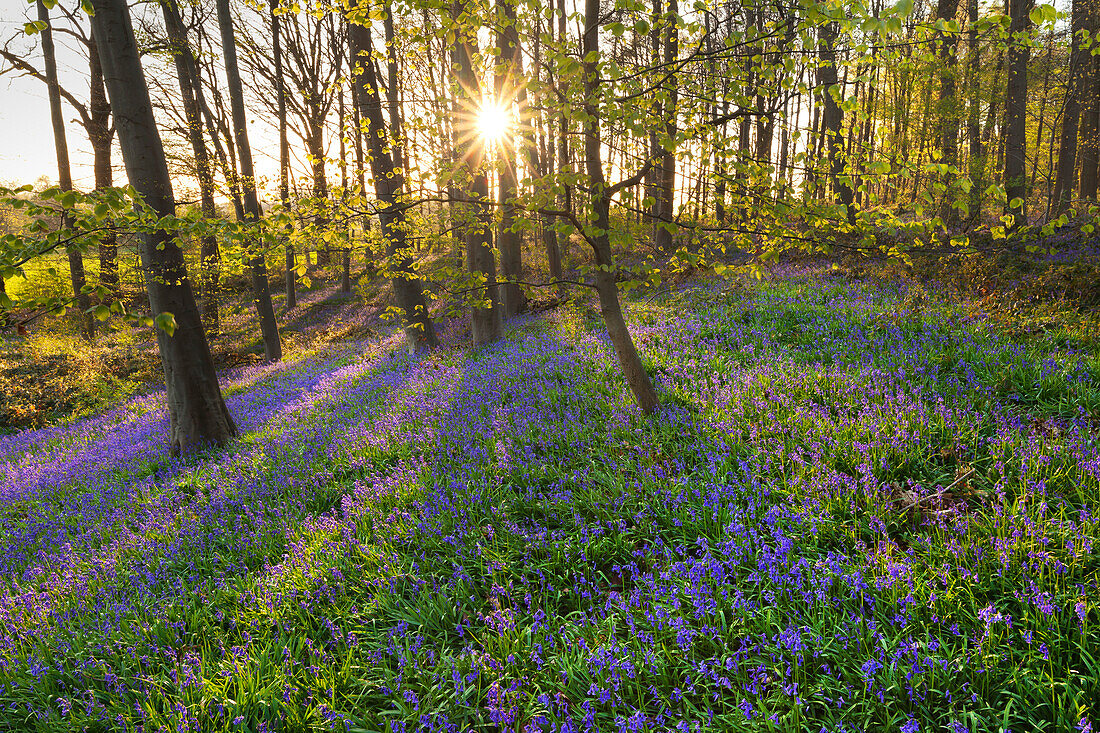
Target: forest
587,365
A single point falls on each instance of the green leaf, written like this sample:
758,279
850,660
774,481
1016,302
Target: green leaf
101,312
166,322
34,26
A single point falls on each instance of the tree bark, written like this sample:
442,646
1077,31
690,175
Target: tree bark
666,199
541,159
64,177
100,134
606,287
185,73
225,156
976,161
1071,114
5,319
261,292
512,298
291,277
947,111
196,410
1015,136
393,82
389,184
656,153
485,315
357,137
565,200
832,118
345,251
1089,141
948,52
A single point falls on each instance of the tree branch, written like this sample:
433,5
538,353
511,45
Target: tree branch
27,69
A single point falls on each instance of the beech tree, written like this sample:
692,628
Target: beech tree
187,78
64,176
1071,112
485,315
389,185
832,118
597,231
1015,136
506,80
261,291
665,150
284,150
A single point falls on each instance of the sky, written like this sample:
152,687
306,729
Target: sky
26,139
26,136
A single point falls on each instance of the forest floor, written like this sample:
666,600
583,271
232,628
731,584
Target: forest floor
867,503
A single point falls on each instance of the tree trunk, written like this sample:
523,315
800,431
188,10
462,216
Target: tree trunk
197,413
345,270
224,156
315,148
1071,114
831,119
485,320
606,287
357,137
291,277
946,10
947,111
509,242
656,153
540,160
100,134
565,200
185,74
666,199
261,292
393,82
811,188
389,184
1089,141
345,251
1015,137
5,319
976,165
64,177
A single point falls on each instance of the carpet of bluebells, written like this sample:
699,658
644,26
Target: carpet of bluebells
848,515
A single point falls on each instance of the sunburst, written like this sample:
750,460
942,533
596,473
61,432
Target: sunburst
493,122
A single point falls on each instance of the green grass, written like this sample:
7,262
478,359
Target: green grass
498,540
